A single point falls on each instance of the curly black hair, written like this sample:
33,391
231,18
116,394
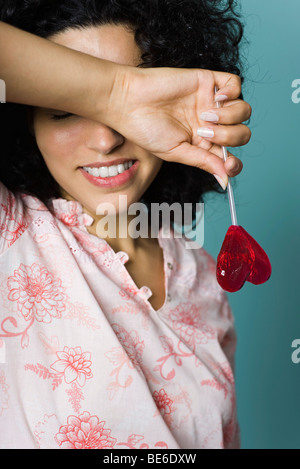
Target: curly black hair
170,33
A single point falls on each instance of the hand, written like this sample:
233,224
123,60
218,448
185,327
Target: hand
161,111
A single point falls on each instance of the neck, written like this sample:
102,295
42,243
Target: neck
121,231
118,232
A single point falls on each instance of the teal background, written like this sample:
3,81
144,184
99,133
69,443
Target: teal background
267,200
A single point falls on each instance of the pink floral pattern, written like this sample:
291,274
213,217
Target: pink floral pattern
37,293
124,358
136,442
165,405
75,397
174,352
43,372
131,342
89,363
163,402
174,405
14,226
74,365
186,319
84,432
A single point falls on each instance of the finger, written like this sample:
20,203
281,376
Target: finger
191,155
231,114
244,106
226,135
228,85
233,165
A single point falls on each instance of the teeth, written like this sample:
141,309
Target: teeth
108,171
120,168
103,171
112,171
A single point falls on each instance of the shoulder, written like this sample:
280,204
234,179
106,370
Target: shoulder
16,213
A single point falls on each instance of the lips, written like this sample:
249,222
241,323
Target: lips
113,181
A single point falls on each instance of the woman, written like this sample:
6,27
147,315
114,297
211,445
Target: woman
120,342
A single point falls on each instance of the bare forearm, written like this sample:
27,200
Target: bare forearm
39,72
159,109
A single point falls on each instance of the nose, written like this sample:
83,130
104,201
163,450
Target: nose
103,139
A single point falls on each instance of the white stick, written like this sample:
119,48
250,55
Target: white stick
229,186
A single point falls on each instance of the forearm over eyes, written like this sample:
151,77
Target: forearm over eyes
40,73
159,109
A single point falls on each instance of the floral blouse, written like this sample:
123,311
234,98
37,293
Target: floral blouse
85,360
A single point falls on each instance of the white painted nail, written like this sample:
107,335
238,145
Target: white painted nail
222,183
221,97
205,132
209,117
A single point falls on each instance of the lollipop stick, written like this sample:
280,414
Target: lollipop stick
229,186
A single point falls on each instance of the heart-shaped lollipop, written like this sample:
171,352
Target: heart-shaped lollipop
241,258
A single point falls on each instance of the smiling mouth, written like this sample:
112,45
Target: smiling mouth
108,171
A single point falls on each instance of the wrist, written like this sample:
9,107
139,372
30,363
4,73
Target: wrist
115,95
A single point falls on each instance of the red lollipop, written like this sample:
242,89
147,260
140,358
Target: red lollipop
241,258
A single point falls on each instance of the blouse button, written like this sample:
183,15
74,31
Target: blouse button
122,256
146,292
169,297
170,266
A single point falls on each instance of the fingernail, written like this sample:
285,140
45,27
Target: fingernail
222,183
221,97
209,116
205,132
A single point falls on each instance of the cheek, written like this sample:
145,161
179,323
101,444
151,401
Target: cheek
156,164
57,145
